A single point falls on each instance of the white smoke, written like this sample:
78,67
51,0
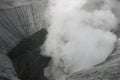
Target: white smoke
79,36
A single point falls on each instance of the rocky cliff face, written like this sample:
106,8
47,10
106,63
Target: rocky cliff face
19,19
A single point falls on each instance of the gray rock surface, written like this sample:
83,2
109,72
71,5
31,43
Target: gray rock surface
108,70
7,71
19,21
5,4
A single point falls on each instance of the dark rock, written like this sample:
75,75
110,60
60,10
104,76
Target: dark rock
26,57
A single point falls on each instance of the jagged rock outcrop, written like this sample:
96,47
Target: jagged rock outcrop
28,62
108,70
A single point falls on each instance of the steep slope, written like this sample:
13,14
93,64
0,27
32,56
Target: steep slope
19,19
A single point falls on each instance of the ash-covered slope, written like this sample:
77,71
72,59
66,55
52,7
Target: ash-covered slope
19,19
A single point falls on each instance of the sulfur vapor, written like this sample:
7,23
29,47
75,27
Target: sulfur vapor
79,36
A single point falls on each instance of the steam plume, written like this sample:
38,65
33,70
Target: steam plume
79,36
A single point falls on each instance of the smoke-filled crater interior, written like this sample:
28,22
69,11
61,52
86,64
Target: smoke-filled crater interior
81,34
